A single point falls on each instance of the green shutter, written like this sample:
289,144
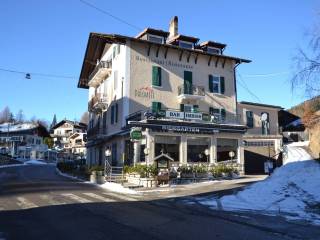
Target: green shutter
222,85
210,83
195,108
116,113
211,110
223,114
112,114
156,76
156,106
182,107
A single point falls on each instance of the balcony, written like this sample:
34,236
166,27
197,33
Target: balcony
193,93
98,103
100,72
96,132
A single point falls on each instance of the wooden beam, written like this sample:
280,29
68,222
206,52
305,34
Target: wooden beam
188,58
217,61
224,62
209,60
196,58
166,52
180,57
157,52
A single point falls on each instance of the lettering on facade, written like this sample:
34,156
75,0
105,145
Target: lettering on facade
184,115
144,92
180,128
162,62
174,114
193,116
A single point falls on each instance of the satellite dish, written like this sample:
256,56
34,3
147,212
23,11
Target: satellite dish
264,117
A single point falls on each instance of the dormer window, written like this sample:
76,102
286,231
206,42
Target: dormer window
155,39
187,45
213,50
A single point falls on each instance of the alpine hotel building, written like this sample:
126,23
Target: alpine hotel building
181,94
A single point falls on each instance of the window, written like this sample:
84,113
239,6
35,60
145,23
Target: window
187,82
216,84
112,114
217,113
156,107
114,51
155,39
118,48
249,116
156,76
213,50
265,125
183,44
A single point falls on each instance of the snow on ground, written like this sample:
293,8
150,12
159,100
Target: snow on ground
292,190
115,187
5,127
35,162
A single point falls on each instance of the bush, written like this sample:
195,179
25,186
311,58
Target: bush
200,169
185,169
66,166
142,170
223,169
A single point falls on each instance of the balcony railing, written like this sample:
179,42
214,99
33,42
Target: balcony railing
96,132
98,103
100,72
193,116
191,92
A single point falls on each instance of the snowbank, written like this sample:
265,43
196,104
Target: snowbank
292,190
35,162
115,187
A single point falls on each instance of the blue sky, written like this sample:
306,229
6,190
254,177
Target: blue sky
51,36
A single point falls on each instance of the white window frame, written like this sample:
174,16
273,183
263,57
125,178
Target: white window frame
181,41
155,36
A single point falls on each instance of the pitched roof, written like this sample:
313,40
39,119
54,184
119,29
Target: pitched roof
74,123
260,104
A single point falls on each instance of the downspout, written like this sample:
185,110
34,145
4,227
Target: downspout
235,84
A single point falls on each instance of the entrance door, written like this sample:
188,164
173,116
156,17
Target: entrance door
187,84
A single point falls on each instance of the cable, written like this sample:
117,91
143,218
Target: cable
266,74
110,15
37,74
243,84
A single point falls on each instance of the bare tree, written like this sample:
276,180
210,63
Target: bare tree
20,116
6,115
85,118
307,65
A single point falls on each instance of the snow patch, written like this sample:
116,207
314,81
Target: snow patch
115,187
292,190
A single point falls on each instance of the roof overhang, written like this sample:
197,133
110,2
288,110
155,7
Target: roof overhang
97,42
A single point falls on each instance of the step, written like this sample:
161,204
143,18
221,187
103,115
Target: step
131,185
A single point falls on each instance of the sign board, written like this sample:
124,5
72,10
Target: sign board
193,116
175,114
136,134
231,154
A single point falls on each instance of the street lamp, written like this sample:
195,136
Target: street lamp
107,154
207,152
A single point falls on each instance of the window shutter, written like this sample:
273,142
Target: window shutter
223,114
118,48
195,108
112,114
156,106
211,110
182,107
222,85
114,52
210,83
116,113
156,76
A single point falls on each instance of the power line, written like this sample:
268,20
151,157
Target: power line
110,15
243,84
266,74
37,74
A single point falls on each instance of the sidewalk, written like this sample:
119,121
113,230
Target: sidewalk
203,188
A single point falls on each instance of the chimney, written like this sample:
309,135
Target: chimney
173,27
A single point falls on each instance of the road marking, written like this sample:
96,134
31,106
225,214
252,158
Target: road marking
101,198
48,199
125,198
25,203
76,198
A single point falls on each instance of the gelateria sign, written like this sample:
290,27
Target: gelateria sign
144,92
164,62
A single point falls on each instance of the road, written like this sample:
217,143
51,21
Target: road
36,203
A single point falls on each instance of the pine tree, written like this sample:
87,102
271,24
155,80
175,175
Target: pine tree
54,121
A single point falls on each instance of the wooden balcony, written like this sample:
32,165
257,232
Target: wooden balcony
100,73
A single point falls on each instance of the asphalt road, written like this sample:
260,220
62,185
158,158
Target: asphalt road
36,203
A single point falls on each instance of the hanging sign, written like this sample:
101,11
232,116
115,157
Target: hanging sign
175,114
136,134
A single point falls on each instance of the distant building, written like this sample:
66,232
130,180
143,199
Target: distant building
63,130
292,127
263,139
77,145
24,140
